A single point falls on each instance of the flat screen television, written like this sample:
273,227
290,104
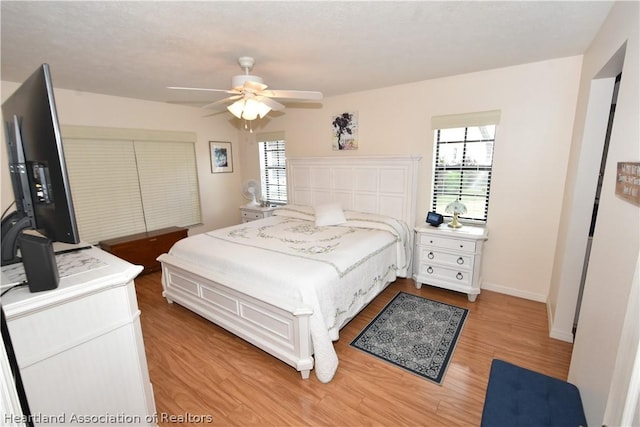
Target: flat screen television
37,167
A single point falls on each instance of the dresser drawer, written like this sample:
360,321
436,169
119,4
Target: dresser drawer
461,261
442,242
437,273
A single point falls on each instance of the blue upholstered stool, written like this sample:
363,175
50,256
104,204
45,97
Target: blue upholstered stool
518,397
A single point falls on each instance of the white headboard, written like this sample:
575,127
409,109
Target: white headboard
377,184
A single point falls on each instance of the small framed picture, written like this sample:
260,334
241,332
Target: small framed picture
221,159
345,131
628,182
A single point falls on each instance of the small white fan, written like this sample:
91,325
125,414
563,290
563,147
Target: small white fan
250,190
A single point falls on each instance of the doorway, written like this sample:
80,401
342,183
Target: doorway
596,202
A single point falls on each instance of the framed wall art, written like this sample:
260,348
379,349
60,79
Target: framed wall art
221,158
345,131
628,182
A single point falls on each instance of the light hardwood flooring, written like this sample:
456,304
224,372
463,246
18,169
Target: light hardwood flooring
198,369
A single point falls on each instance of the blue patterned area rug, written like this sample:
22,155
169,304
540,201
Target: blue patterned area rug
414,333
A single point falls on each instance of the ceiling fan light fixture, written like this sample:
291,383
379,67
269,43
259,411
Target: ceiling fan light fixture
263,109
236,108
254,108
248,109
249,115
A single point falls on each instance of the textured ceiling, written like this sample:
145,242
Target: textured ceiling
136,49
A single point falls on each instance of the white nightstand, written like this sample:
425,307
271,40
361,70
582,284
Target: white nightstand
251,213
449,258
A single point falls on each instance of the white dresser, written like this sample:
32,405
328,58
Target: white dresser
251,213
449,258
79,347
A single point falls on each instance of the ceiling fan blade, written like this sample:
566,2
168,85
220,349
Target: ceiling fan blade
271,103
254,86
223,102
293,94
202,89
196,103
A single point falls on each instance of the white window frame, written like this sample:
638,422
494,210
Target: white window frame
462,123
273,169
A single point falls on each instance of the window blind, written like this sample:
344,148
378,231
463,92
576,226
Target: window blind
463,161
479,118
168,183
104,187
129,181
273,171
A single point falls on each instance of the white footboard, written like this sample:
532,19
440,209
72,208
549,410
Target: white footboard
281,328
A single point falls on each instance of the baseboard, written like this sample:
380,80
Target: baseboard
557,333
561,335
553,333
514,292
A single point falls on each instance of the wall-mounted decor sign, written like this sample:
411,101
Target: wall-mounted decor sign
628,182
221,160
345,131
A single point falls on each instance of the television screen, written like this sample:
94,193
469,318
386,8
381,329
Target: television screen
36,161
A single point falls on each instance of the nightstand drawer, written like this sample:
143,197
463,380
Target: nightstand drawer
251,215
441,242
438,273
461,261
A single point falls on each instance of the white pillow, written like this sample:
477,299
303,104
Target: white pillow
329,214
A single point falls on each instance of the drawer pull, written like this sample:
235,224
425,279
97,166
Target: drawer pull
460,260
459,276
430,255
153,240
429,270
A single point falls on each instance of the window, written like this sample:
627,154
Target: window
127,181
273,170
463,161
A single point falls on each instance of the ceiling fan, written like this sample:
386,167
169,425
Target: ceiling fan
250,97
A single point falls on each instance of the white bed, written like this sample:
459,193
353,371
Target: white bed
287,286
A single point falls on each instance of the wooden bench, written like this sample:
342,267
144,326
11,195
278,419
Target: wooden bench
143,248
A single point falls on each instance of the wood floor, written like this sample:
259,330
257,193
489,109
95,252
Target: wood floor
199,370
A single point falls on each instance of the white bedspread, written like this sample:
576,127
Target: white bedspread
336,270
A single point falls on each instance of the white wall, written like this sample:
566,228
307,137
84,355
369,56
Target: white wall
532,146
596,360
220,193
